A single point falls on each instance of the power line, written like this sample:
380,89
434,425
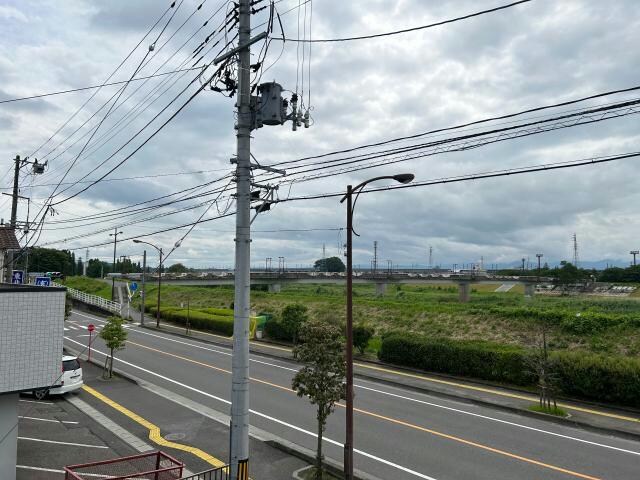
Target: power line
80,89
406,30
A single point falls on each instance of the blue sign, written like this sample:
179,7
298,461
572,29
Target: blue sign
17,276
43,281
133,286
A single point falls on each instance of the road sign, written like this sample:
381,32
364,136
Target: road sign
17,276
133,286
91,327
43,281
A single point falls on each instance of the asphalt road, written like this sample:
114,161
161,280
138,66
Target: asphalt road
398,433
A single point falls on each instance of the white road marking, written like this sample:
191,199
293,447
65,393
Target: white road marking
485,417
72,327
260,414
423,402
66,329
61,443
36,401
48,420
53,470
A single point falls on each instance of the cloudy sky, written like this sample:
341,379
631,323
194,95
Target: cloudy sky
538,53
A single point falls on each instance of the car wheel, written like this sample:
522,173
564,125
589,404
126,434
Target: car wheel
41,394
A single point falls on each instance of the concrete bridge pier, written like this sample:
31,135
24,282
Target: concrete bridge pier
274,288
381,288
529,290
464,290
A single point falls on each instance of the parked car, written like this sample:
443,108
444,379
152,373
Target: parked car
69,381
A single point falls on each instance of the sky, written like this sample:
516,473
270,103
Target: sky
360,92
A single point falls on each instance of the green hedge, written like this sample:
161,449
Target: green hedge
198,319
607,379
485,360
598,377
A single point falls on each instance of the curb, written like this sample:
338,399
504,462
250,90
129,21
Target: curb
334,467
566,421
570,421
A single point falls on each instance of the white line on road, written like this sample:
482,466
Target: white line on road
36,401
48,420
53,470
260,414
415,400
485,417
61,443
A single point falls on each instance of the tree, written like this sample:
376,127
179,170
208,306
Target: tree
568,273
293,317
177,268
322,378
331,264
361,335
114,336
544,367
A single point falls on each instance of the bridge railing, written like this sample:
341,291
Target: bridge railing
91,299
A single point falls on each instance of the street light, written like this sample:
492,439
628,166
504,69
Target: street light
135,240
348,446
113,276
634,253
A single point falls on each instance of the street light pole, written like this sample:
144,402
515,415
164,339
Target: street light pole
159,250
348,445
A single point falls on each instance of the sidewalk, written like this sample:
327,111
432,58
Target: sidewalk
584,414
188,431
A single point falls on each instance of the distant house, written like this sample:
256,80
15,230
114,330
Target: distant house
8,243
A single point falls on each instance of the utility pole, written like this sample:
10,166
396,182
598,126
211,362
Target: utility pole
239,444
430,257
113,270
86,260
523,260
14,200
575,250
634,253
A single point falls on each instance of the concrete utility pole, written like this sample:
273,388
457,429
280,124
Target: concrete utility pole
86,261
634,253
239,444
14,200
113,270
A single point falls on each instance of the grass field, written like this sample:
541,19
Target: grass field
595,324
89,285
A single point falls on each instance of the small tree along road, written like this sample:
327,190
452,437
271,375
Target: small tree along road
293,317
114,336
322,378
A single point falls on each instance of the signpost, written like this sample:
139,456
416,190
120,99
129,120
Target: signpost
43,281
91,327
133,286
17,277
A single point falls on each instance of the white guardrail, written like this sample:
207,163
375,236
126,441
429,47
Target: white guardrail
84,297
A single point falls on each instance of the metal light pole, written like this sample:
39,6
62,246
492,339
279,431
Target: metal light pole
348,445
539,255
143,292
634,253
113,270
135,240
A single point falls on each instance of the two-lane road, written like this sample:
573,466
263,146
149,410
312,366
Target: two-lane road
399,433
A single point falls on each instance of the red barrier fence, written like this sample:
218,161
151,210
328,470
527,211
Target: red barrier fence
147,466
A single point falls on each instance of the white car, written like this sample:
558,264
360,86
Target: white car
69,381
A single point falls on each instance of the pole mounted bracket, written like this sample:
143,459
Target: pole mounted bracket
239,48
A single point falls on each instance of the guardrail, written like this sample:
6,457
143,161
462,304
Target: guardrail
90,299
220,473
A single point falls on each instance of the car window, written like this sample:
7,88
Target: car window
70,365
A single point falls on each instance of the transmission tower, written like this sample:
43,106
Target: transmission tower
575,250
375,257
430,257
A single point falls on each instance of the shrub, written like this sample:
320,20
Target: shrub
361,336
485,360
201,319
598,377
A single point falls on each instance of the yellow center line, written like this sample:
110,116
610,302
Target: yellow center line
154,430
389,419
